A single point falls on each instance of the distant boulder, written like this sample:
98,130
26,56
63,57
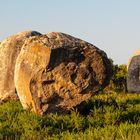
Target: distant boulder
56,72
9,50
133,74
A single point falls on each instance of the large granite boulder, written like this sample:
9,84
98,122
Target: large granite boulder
56,72
9,50
133,74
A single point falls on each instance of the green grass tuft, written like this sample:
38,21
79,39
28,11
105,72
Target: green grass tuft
109,116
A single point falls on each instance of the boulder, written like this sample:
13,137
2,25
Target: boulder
9,50
56,72
133,73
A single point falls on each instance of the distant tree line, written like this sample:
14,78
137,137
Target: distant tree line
118,80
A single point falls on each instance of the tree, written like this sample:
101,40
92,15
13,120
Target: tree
118,80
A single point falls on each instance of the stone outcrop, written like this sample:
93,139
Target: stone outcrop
9,50
56,72
133,73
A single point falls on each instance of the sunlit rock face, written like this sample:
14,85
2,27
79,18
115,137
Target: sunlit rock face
56,72
133,74
9,50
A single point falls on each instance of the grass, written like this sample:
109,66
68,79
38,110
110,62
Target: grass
107,116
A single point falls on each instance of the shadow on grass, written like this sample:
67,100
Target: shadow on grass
133,101
130,117
85,107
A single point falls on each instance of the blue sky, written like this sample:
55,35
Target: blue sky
111,25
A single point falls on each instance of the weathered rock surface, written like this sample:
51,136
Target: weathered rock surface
56,72
133,74
136,53
9,50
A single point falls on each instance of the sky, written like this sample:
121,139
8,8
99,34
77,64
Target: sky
111,25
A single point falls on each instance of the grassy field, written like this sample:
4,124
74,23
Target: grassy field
107,116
